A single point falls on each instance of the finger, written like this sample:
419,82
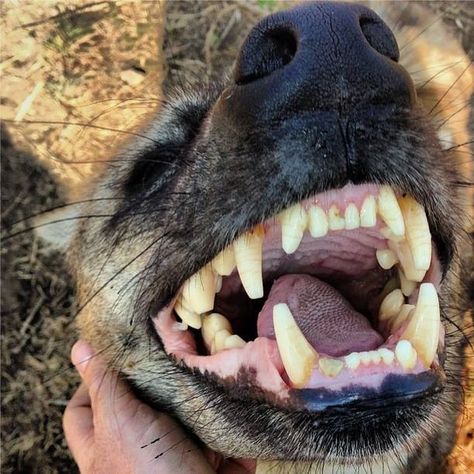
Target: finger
78,426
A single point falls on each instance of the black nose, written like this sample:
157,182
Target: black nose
320,56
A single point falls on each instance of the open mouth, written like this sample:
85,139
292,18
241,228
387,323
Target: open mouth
336,297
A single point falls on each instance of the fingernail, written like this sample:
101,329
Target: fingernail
81,353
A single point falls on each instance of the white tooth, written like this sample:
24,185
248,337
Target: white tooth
352,360
391,305
179,326
389,210
297,354
318,222
248,256
403,252
365,357
188,316
423,329
417,232
336,221
199,290
375,357
294,221
386,258
234,342
330,367
211,325
389,235
401,317
224,262
368,212
218,344
407,286
351,217
386,355
405,354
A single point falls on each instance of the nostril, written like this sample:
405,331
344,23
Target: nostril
379,37
264,53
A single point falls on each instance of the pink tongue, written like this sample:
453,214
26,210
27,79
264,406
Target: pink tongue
326,319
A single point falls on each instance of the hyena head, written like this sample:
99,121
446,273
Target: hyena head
275,259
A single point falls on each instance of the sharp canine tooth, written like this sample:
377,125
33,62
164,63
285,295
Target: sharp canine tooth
199,290
336,222
330,367
405,354
391,305
211,325
318,222
224,262
417,232
403,252
386,355
293,224
401,317
407,286
423,329
297,355
219,340
368,212
248,256
389,210
234,342
386,258
352,360
351,217
188,316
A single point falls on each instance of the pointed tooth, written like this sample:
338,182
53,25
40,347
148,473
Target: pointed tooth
417,232
386,258
318,222
248,257
297,354
224,262
407,286
234,342
423,329
351,217
391,305
390,211
218,344
294,221
352,360
336,221
199,290
368,212
330,367
387,356
403,253
405,354
211,325
188,316
391,285
398,320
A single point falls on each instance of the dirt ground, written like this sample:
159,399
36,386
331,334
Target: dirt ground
91,72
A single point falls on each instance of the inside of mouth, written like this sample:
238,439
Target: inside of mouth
351,320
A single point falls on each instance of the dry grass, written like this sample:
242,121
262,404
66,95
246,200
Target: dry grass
87,63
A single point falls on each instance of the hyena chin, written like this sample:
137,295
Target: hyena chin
279,266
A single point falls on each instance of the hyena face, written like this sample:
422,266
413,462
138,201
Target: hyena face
277,267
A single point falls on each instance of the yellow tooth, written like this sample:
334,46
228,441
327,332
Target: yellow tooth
188,316
417,232
389,235
401,317
391,285
386,355
199,290
330,367
318,222
423,329
294,221
336,221
389,210
248,257
211,325
297,354
405,354
368,212
403,253
234,342
218,344
391,305
407,286
224,262
352,360
386,258
351,217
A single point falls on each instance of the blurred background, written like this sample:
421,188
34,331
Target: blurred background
77,77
